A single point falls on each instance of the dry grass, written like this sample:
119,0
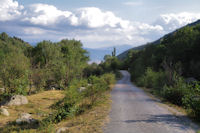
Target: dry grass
38,106
91,121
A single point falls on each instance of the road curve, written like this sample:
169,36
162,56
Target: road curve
134,112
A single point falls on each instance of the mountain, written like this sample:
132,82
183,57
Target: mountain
123,55
97,54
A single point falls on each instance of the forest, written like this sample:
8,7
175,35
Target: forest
170,67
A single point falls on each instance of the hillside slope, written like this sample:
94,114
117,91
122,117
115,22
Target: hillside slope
124,54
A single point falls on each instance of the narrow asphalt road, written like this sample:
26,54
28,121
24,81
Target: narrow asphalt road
135,112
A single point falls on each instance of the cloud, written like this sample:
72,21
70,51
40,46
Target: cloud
88,24
43,14
94,18
34,31
135,3
173,21
93,26
9,10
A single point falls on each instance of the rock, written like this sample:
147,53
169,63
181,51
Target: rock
2,90
17,100
82,89
63,130
4,111
25,118
52,88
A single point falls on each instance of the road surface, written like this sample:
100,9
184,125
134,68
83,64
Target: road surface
135,112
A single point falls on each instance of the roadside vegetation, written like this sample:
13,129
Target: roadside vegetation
58,75
170,68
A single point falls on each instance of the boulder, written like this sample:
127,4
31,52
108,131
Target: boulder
4,111
25,118
52,88
63,130
17,100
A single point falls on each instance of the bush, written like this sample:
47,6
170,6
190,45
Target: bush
109,78
192,99
151,79
176,92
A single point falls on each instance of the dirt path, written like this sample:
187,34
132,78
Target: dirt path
135,112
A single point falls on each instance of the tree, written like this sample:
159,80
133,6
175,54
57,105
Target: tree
114,52
14,72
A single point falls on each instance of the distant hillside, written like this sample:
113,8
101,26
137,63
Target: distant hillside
124,54
97,55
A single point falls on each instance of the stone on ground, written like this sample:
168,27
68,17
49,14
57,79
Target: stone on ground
63,130
17,100
25,118
4,112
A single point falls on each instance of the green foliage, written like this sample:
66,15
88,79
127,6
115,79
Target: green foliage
25,69
14,67
176,92
108,78
110,64
93,69
152,79
192,100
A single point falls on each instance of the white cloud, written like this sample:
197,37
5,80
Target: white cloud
173,21
34,31
9,10
44,14
89,24
91,17
133,3
94,17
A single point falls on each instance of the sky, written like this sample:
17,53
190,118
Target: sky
96,23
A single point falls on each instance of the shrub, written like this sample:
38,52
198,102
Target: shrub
109,78
176,92
192,99
160,80
151,79
141,81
